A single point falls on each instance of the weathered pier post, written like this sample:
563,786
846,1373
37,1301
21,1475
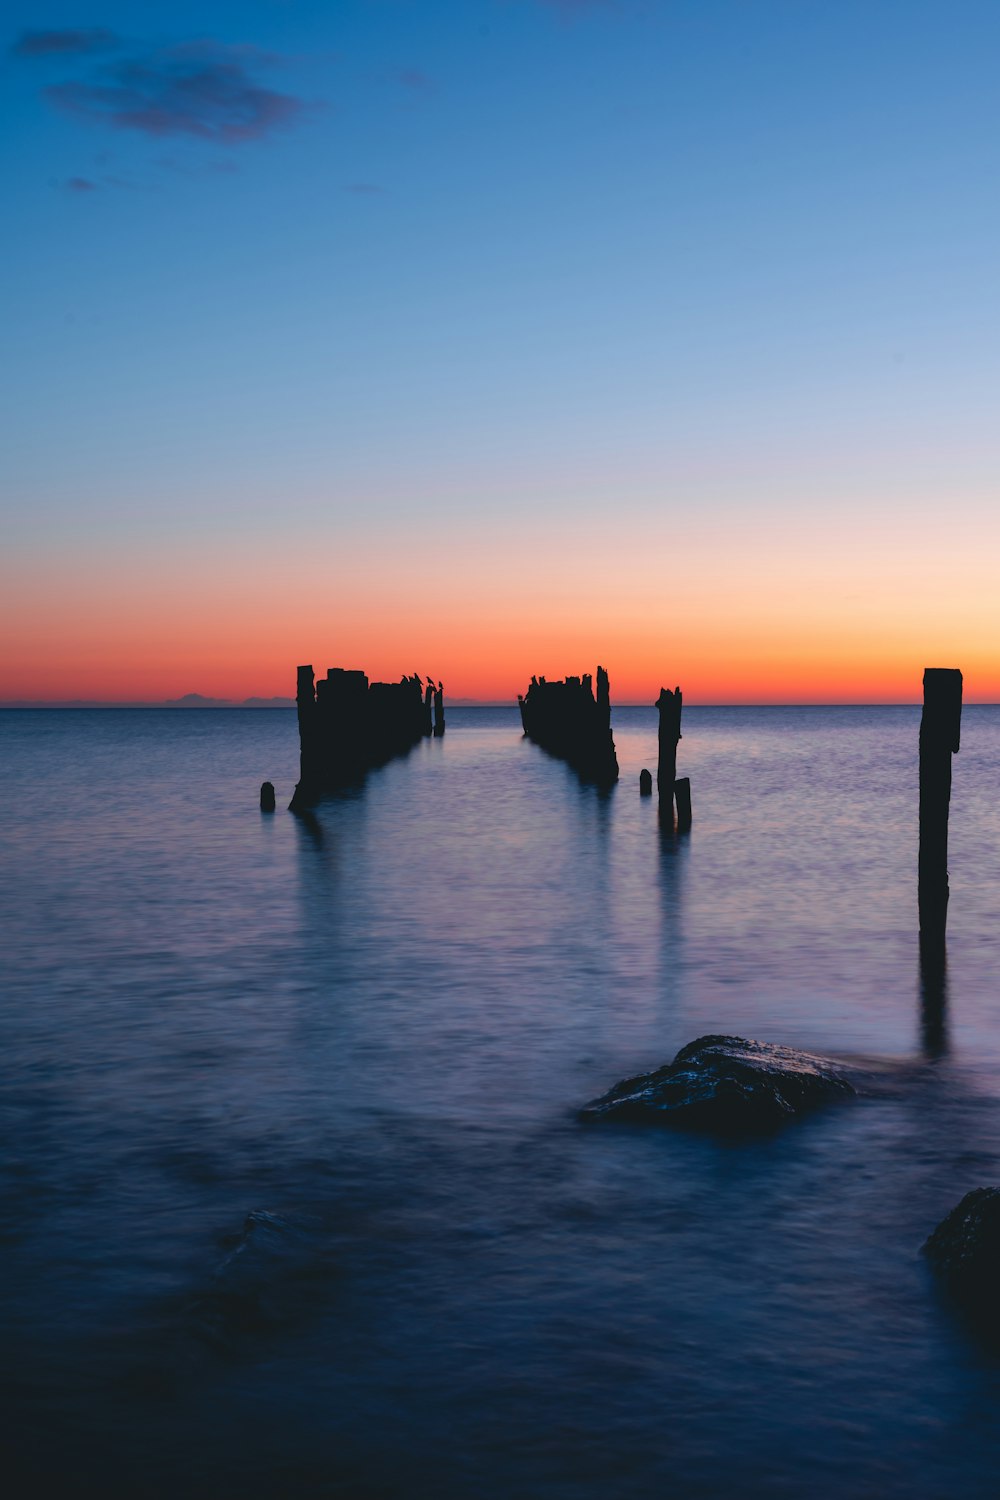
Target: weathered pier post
438,710
682,791
669,704
940,726
348,726
568,721
309,747
645,783
267,797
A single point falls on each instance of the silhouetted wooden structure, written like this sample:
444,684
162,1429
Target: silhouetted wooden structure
940,727
682,795
669,705
566,719
348,726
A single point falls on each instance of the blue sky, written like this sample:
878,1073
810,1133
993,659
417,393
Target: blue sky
399,275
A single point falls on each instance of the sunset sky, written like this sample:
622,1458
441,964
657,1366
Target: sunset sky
488,337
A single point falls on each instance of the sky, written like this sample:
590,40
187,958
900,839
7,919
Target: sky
483,338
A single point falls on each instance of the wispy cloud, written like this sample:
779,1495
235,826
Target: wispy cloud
80,185
415,80
575,7
76,43
201,89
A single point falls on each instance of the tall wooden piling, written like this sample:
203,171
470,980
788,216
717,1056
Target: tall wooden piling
669,704
940,726
439,711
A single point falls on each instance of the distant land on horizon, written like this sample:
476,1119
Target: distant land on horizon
189,700
202,701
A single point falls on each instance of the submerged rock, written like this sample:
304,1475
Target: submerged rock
964,1250
269,1278
726,1083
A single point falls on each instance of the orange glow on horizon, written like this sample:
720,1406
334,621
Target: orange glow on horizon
786,614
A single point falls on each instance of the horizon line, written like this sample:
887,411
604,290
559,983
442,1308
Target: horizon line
288,704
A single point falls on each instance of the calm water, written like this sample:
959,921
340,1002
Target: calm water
377,1028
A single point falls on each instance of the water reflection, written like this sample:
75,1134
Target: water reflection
382,1019
671,872
933,997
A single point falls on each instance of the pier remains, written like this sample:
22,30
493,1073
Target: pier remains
940,733
669,705
569,721
348,726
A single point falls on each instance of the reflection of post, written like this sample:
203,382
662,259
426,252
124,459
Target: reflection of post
439,710
939,739
933,998
669,705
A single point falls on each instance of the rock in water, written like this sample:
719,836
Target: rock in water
964,1250
272,1275
726,1083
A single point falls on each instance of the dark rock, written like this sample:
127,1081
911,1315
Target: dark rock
964,1251
267,797
726,1083
269,1279
645,783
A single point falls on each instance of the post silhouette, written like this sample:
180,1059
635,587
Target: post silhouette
940,726
669,704
438,711
682,791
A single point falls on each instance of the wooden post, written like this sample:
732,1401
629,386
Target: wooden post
669,705
940,725
682,791
645,783
438,711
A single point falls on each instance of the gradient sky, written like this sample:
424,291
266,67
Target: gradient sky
492,337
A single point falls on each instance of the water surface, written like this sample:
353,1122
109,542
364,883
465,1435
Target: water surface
376,1027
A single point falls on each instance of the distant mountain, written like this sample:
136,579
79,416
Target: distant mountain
189,700
197,700
478,702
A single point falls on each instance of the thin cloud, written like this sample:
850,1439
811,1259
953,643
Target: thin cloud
201,89
415,80
78,43
80,185
575,7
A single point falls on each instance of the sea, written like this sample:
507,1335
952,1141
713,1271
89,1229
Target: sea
296,1197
